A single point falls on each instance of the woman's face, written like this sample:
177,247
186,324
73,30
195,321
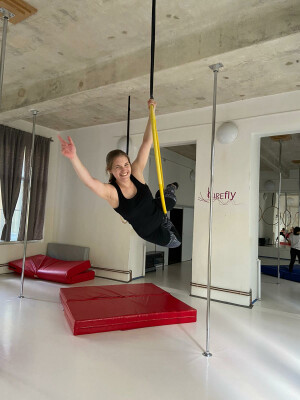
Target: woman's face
121,169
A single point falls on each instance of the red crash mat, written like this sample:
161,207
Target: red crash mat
51,269
121,307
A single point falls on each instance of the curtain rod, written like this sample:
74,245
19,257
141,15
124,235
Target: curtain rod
50,138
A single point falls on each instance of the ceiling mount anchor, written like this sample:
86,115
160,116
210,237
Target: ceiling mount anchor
217,67
6,13
33,111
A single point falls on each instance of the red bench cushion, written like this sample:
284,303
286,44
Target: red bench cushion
51,269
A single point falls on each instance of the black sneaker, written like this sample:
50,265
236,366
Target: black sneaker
175,184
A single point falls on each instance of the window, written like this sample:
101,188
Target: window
17,213
15,150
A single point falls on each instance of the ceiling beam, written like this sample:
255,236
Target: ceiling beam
227,36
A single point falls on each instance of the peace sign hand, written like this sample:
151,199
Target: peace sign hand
68,149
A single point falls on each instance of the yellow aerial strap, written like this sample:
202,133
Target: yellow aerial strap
159,171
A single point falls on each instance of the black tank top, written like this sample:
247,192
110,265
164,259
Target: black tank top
143,213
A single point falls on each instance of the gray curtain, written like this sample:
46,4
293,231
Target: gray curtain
12,146
38,192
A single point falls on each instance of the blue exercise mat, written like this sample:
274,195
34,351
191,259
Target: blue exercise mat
284,272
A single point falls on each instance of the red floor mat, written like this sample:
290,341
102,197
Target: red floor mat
94,309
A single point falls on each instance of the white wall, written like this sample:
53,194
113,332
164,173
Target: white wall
13,251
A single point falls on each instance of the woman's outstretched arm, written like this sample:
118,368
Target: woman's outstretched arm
68,149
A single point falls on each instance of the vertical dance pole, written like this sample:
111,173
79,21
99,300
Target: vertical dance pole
152,47
34,113
215,68
128,122
6,15
278,204
297,162
285,210
152,116
299,198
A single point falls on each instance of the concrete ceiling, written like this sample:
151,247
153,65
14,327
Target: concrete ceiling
77,61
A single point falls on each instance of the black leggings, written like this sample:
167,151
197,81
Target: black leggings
294,254
170,199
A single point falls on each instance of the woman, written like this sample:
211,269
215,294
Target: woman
294,240
127,192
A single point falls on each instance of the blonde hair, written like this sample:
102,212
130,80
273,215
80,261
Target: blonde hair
110,160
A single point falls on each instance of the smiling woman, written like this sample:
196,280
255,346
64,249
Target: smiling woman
119,162
127,192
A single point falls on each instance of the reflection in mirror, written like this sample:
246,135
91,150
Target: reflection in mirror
279,205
